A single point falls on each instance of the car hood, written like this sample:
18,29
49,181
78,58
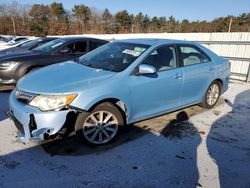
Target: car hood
13,50
61,78
12,56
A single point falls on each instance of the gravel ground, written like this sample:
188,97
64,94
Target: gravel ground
192,147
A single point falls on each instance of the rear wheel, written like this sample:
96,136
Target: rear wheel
212,95
101,125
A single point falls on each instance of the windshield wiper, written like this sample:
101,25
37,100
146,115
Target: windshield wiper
96,67
88,65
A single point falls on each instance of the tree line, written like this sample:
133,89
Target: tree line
54,19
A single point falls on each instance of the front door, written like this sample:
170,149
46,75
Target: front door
159,92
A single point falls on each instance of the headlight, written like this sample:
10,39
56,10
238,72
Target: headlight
8,64
51,102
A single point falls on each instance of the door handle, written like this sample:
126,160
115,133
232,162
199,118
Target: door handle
211,68
178,76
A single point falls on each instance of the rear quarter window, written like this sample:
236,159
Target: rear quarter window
191,55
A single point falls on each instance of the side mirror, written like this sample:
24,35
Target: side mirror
146,70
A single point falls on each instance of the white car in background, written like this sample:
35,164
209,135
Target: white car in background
5,38
17,39
15,42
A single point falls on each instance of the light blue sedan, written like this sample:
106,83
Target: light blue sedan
115,85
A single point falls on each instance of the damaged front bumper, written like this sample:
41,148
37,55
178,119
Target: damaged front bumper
33,124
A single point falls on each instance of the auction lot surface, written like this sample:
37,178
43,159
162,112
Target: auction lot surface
192,147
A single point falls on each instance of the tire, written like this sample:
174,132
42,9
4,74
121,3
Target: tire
212,95
26,71
33,69
94,127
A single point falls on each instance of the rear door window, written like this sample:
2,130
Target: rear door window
77,47
191,55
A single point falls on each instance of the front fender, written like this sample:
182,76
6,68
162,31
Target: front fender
90,98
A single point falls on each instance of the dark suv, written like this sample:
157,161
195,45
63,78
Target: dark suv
14,66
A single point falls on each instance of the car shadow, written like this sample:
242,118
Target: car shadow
156,152
72,145
171,125
228,145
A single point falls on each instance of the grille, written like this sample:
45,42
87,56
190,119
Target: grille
24,97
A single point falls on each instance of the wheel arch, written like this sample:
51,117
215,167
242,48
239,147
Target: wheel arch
221,83
215,80
33,67
117,102
26,68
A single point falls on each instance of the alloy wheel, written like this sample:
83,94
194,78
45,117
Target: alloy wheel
213,94
100,127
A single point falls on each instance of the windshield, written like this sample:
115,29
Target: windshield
30,44
20,39
116,56
50,46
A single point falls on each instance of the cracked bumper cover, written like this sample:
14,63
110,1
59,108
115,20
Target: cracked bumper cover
32,123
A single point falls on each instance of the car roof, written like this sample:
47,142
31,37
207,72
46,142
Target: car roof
79,38
47,38
155,41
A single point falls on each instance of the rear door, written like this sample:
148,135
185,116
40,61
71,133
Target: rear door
198,70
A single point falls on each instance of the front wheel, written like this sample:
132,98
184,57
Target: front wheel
212,95
101,125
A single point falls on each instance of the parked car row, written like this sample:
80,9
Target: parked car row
17,40
15,65
27,45
12,42
5,39
93,88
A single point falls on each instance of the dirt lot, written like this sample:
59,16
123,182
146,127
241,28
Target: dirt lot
192,147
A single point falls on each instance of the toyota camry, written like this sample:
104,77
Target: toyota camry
116,85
